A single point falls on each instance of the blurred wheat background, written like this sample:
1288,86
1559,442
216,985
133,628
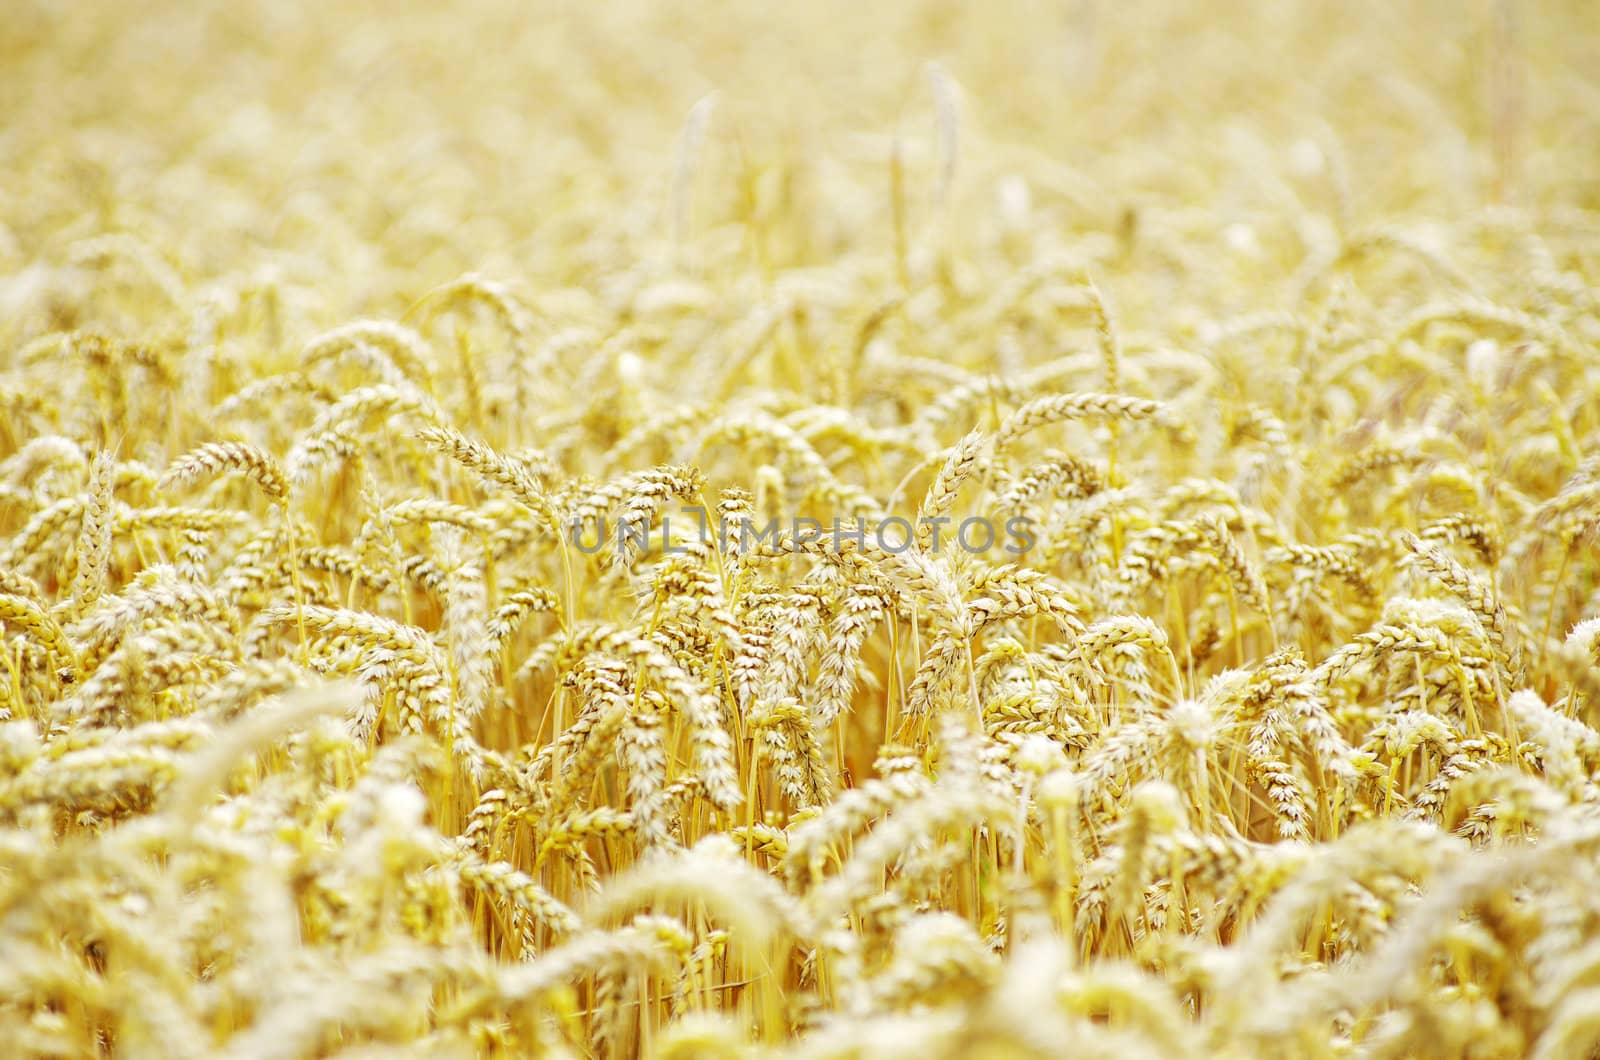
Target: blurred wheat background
322,324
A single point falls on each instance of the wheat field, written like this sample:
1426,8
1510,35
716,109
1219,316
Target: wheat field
446,597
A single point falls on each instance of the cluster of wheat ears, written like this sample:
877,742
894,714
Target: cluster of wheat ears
321,733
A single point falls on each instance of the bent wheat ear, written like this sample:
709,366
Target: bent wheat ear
518,891
1047,410
1472,591
406,348
491,466
23,613
1241,573
215,458
960,464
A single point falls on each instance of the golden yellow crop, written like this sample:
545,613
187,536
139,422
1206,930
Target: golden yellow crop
800,530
